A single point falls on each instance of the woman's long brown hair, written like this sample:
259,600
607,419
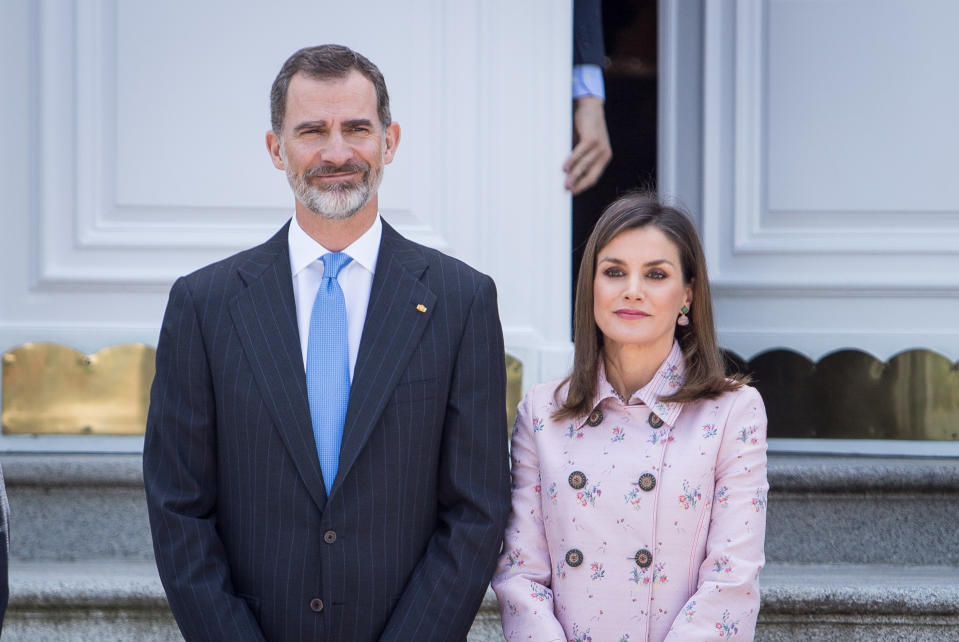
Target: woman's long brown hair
705,373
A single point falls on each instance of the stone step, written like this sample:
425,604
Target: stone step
822,509
863,510
111,600
858,602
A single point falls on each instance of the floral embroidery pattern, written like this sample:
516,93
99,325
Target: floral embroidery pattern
722,565
726,628
598,572
589,495
634,498
512,608
644,576
747,435
572,433
541,593
659,436
618,434
551,492
690,496
722,496
513,559
580,636
670,373
537,424
709,430
689,611
759,501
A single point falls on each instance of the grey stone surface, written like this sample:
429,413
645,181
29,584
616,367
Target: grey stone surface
863,510
102,600
45,469
74,523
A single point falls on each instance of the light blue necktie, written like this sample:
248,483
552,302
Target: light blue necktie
328,366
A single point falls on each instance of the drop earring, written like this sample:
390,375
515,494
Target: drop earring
683,320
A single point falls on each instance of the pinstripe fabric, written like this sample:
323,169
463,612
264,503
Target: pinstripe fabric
236,497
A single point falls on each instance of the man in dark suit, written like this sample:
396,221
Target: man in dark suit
325,456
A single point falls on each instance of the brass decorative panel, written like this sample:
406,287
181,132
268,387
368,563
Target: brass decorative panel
53,389
514,389
850,394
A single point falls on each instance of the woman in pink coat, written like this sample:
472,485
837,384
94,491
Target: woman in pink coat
639,482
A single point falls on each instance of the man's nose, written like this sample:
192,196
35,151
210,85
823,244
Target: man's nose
336,151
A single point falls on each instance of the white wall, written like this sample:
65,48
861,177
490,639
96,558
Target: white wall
823,170
135,153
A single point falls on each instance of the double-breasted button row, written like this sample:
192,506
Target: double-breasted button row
595,418
643,558
574,557
329,537
577,479
316,605
647,482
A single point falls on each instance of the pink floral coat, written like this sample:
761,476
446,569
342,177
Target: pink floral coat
643,521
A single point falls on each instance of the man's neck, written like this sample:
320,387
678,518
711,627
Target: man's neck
336,235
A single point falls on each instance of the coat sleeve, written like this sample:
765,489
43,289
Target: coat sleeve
522,579
179,473
449,582
726,601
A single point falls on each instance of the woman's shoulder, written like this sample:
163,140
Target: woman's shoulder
742,394
548,392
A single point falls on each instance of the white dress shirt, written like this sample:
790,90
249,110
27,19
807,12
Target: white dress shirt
356,280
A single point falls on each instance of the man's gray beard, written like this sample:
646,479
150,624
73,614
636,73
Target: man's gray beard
340,201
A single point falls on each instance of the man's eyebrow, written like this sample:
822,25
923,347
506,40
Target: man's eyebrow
310,124
358,122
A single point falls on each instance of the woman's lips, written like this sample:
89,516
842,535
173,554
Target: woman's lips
631,314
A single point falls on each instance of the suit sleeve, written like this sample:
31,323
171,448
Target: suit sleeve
588,46
726,601
179,473
447,586
522,579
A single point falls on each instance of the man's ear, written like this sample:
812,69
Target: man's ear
392,141
273,144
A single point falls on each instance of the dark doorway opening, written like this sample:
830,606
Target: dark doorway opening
630,32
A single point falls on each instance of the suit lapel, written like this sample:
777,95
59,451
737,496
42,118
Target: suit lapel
393,327
265,318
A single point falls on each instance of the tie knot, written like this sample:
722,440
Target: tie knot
333,262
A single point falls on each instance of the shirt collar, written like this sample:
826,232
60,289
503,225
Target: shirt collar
667,380
304,249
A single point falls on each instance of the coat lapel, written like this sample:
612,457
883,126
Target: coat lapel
399,310
265,318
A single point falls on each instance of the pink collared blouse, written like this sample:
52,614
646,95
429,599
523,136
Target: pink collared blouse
643,521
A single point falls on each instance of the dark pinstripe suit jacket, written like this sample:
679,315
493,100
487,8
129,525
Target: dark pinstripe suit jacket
247,544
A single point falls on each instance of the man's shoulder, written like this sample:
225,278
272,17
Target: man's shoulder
253,259
441,265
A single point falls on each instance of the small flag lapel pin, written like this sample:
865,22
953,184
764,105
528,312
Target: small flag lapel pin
420,307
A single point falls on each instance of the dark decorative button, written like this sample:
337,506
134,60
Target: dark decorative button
329,537
654,420
574,557
647,482
316,605
643,558
577,479
595,418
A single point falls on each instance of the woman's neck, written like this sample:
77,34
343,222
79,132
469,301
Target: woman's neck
630,367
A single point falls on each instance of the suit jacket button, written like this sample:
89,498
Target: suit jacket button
643,558
577,479
654,420
595,418
316,604
647,482
574,557
329,537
